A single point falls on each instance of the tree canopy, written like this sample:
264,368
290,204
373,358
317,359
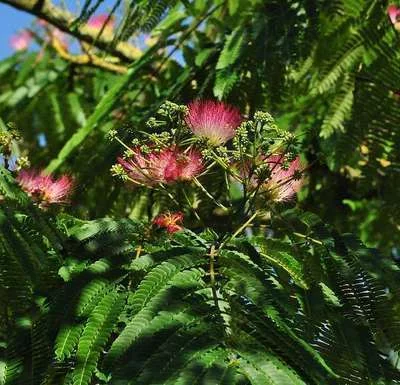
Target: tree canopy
201,192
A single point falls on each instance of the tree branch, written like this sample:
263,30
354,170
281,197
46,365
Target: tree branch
88,59
63,20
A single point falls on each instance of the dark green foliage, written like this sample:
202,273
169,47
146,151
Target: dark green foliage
304,309
93,295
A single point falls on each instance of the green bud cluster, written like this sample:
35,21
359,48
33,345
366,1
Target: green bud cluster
263,172
289,138
118,171
169,109
291,156
236,155
6,139
145,149
163,137
128,153
223,153
265,119
297,175
112,134
135,142
241,139
207,153
153,123
23,162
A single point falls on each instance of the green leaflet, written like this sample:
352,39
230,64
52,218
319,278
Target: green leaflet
231,51
339,110
95,335
101,111
280,255
90,296
76,109
202,369
90,229
268,368
66,341
9,188
3,372
149,296
224,82
9,371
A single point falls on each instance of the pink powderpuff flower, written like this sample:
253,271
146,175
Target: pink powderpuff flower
213,120
97,22
394,16
168,165
393,12
171,222
283,183
21,40
44,188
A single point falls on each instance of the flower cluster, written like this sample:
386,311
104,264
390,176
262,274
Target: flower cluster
45,189
165,162
21,40
272,176
168,165
171,222
394,16
285,180
213,120
186,142
97,22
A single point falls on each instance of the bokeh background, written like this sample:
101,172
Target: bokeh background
11,21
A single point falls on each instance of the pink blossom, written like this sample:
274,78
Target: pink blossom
393,13
169,221
394,16
281,184
97,22
168,165
21,40
44,188
213,120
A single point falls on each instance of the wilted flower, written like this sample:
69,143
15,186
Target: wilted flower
44,188
97,22
394,15
213,120
21,40
168,165
169,221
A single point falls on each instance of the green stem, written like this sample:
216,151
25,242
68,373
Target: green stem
308,238
239,230
212,255
191,206
197,182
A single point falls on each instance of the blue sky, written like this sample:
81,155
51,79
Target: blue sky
11,21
